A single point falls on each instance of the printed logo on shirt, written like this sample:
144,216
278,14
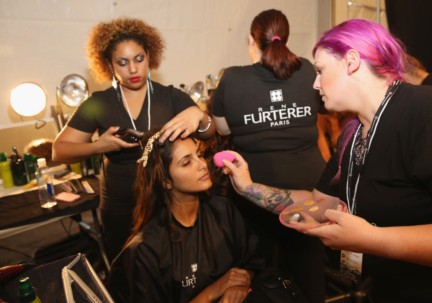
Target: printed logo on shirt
277,115
276,95
191,281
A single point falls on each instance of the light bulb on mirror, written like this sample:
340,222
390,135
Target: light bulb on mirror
28,99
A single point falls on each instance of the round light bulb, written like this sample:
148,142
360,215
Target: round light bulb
28,99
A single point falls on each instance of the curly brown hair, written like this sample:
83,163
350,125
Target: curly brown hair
105,36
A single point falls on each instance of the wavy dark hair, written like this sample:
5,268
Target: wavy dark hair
270,30
151,195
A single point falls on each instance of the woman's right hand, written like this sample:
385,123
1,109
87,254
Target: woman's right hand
238,172
109,142
235,294
72,145
233,277
236,279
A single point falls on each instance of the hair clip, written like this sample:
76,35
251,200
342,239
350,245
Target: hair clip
148,148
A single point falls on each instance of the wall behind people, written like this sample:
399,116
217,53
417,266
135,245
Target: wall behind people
43,41
364,9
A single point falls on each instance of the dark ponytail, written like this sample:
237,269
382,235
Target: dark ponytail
270,30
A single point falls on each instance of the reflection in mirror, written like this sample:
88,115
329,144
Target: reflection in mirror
73,89
196,91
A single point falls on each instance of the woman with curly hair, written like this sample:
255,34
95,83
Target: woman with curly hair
124,50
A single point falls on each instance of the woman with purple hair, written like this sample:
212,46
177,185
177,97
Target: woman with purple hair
382,169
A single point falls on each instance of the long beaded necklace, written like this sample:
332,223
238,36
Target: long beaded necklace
360,148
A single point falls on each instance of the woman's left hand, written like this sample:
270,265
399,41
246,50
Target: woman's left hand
345,231
183,124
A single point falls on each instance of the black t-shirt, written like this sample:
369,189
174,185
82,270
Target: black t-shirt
103,110
395,188
427,80
162,265
273,123
265,113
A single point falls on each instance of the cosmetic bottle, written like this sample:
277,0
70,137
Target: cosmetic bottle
26,292
5,171
45,185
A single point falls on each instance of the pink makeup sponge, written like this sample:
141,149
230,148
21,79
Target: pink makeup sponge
218,157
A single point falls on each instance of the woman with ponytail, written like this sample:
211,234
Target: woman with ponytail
270,109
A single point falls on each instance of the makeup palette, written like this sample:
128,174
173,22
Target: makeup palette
309,212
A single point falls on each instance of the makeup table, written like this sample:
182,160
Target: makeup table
21,211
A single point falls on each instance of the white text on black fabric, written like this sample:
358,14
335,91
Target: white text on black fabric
277,116
189,281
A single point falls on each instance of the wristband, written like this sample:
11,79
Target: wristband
207,128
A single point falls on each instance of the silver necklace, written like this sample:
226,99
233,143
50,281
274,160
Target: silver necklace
125,104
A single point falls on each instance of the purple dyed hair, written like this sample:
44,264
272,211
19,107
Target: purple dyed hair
384,53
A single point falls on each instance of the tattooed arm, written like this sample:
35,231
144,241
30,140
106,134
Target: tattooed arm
270,198
275,199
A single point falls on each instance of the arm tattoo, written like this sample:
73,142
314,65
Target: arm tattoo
270,198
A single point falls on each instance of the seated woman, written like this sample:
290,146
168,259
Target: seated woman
186,246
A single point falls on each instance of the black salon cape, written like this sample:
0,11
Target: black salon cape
149,268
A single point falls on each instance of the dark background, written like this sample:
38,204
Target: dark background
411,22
